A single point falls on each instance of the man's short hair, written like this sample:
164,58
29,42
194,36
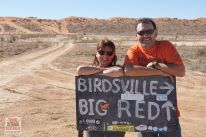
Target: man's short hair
146,21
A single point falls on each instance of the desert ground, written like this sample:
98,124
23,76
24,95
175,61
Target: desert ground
37,82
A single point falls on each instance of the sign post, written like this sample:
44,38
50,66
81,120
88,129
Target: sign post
125,104
80,133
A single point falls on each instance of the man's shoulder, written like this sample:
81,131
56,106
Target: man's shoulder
135,46
164,42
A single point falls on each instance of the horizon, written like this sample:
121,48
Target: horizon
99,18
56,10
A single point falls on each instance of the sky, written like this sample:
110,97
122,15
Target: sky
104,9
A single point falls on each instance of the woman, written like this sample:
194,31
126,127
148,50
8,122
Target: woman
104,64
104,61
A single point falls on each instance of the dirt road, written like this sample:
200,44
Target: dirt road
24,78
39,88
20,66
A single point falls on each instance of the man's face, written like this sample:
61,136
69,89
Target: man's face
146,35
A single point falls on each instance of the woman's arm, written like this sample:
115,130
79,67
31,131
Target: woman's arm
115,71
89,70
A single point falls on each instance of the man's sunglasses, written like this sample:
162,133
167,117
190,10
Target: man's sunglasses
108,53
149,32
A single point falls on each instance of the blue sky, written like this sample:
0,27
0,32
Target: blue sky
103,9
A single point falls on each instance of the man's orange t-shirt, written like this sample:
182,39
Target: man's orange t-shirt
163,51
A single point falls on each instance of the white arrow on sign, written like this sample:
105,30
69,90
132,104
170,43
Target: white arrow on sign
168,86
168,105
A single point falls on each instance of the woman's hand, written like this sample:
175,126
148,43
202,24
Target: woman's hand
89,70
116,71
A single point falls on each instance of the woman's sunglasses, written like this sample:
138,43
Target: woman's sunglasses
108,53
149,32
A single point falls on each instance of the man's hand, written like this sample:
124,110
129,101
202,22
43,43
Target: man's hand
155,65
172,69
152,64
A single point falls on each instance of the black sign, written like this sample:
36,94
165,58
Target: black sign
146,104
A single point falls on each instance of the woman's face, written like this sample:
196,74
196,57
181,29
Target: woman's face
105,56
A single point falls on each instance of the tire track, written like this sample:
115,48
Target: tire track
27,64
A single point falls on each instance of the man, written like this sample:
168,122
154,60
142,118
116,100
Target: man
152,57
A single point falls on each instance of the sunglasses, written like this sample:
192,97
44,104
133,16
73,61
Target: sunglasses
108,53
149,32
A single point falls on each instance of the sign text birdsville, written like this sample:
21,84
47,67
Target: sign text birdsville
125,104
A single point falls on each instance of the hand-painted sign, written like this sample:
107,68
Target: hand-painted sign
125,104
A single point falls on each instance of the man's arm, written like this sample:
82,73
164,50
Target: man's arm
135,70
172,69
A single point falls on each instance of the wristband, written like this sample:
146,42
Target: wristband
155,64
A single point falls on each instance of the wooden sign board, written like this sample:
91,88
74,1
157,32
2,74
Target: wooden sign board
125,104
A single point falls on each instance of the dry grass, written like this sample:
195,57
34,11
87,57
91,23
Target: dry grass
194,57
11,45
